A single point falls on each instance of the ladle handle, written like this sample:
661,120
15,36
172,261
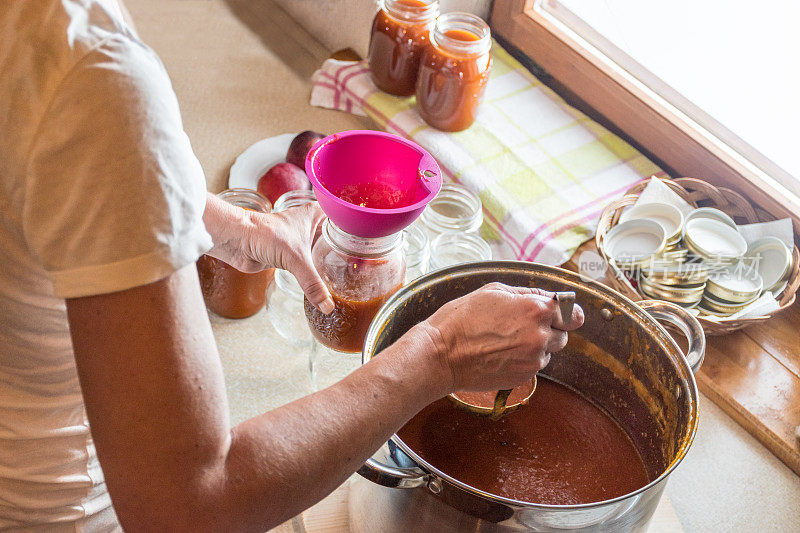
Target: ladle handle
686,323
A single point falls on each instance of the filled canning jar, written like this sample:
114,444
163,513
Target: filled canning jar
400,34
454,71
227,291
361,274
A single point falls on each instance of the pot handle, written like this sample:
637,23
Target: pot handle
393,477
686,323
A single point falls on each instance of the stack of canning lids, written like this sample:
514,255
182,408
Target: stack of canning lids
677,282
730,289
698,260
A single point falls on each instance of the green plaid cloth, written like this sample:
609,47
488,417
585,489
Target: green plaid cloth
543,170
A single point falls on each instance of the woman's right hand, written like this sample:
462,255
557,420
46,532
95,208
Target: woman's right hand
498,336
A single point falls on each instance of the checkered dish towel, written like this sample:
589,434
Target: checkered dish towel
543,170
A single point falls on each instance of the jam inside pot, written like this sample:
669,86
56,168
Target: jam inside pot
559,449
454,72
400,34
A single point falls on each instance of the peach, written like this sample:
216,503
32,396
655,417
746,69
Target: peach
300,146
282,178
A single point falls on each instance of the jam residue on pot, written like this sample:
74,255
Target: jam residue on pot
559,449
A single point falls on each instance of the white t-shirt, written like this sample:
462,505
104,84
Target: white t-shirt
99,192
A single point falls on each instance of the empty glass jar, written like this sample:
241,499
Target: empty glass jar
455,248
455,209
285,297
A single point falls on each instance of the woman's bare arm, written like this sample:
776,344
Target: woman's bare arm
155,397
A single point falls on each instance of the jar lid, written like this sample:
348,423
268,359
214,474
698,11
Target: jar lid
772,259
714,240
669,216
735,283
712,213
633,243
688,294
677,273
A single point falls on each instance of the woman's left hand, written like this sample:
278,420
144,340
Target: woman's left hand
251,242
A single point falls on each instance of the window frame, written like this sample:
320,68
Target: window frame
637,111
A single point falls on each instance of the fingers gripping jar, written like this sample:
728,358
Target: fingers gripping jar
361,274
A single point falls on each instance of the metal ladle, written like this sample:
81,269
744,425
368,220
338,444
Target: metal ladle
566,301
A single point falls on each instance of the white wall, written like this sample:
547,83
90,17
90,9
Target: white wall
341,24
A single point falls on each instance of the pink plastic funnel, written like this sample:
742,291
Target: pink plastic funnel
395,171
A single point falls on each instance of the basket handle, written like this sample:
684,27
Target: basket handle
686,323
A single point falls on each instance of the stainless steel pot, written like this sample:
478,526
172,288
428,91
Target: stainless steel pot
622,359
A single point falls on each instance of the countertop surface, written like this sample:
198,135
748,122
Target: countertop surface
241,72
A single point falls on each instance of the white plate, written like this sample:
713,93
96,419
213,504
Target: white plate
256,160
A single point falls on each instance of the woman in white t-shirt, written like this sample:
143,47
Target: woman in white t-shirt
103,212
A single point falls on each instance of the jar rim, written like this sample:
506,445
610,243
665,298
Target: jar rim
366,247
466,22
400,10
246,198
294,198
455,194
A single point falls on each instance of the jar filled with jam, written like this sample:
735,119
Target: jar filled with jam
454,71
227,291
361,274
400,34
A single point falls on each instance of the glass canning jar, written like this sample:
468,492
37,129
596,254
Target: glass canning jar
454,71
285,297
455,209
456,248
416,249
361,274
400,34
227,291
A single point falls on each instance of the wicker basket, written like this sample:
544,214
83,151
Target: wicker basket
699,194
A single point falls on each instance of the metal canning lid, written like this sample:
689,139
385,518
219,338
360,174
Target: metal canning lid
772,259
712,213
705,310
634,242
683,290
714,239
735,283
711,302
672,294
669,216
674,298
674,273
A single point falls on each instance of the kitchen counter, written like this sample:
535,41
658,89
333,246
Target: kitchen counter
241,72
